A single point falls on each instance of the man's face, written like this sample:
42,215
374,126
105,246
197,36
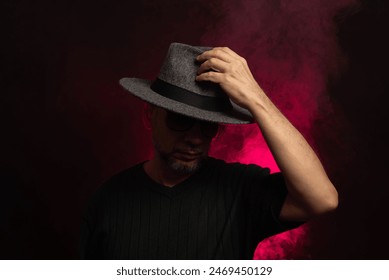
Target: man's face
180,142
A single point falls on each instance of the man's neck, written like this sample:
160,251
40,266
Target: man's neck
163,174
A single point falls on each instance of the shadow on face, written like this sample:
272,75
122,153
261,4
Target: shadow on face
179,141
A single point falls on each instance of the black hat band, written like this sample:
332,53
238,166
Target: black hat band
209,103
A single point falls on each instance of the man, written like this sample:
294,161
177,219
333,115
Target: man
182,204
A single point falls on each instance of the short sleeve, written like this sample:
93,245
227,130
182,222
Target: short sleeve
265,196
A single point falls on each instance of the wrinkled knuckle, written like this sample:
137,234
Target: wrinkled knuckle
210,74
212,60
243,60
218,51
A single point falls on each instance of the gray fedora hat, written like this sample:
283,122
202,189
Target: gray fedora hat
175,89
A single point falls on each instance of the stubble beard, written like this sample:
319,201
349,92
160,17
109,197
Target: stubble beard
185,168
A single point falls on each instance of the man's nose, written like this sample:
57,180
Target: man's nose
195,135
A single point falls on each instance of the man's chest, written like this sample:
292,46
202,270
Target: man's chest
155,225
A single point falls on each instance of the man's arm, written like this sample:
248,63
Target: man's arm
310,192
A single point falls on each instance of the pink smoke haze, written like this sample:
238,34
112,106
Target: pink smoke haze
291,48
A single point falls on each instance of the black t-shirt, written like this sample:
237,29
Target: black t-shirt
221,212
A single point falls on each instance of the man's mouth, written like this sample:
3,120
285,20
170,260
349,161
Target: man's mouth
187,155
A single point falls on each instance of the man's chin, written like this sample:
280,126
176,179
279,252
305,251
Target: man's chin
185,167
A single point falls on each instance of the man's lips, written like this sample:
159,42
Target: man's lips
188,155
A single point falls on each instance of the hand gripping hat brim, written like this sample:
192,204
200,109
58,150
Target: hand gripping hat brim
176,90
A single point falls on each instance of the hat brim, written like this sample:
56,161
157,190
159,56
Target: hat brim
141,88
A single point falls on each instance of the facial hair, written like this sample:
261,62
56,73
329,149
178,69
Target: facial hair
185,168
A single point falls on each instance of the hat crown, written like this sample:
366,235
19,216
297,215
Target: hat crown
177,90
180,69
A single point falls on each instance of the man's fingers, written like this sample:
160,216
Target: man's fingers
210,76
219,64
219,53
229,52
213,64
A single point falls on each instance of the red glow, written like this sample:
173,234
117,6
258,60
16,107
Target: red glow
291,49
245,144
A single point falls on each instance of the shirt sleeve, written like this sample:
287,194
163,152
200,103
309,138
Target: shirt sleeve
265,195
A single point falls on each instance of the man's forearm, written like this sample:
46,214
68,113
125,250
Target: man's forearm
310,190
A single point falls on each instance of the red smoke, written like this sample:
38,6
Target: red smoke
291,48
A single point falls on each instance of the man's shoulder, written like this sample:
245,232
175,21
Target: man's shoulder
126,174
121,179
219,165
222,164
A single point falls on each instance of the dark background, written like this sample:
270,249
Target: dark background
66,125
